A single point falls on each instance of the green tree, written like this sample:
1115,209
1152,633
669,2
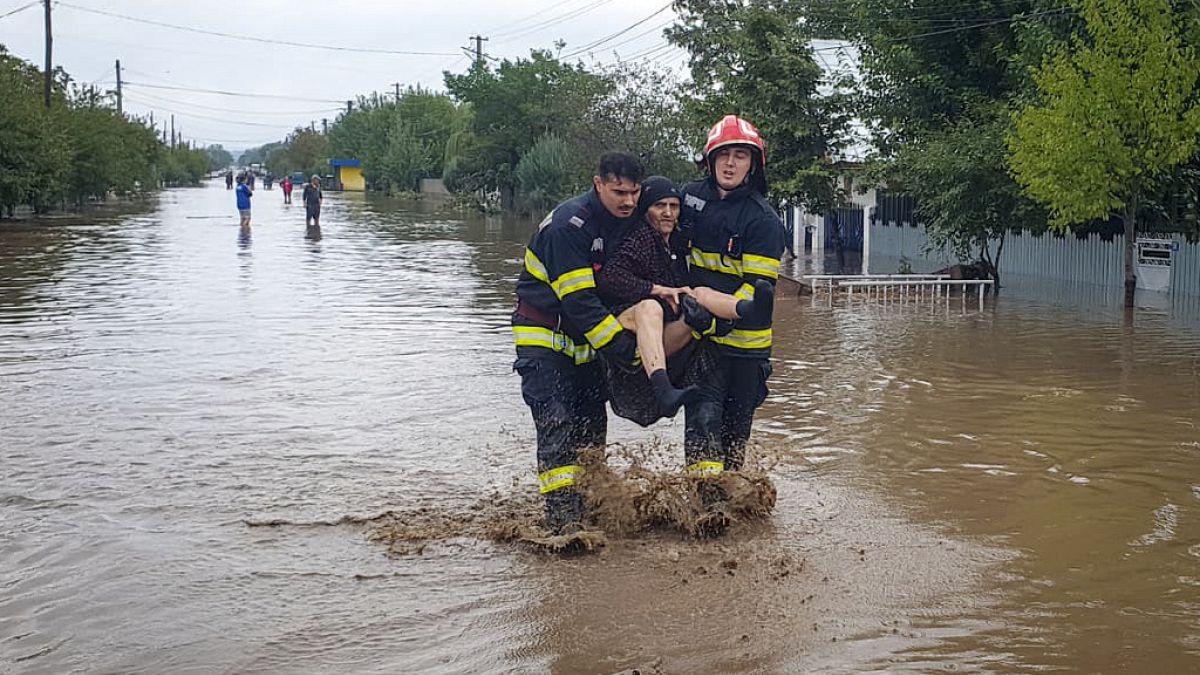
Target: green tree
1117,111
544,175
218,157
35,150
516,104
753,58
965,196
399,142
639,112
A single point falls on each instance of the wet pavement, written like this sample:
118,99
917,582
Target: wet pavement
197,427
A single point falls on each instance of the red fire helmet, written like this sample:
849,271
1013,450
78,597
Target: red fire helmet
733,130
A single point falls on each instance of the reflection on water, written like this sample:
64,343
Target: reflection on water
1005,490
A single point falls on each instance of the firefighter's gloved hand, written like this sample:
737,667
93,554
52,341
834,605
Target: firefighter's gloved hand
621,352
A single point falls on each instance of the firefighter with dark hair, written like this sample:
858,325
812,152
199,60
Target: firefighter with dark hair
737,242
562,328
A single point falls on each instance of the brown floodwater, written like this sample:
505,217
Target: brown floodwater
201,433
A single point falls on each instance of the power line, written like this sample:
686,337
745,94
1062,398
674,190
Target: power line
644,33
180,113
20,9
163,101
597,43
507,37
247,38
505,27
234,93
959,29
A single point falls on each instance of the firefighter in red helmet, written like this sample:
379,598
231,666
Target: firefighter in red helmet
737,242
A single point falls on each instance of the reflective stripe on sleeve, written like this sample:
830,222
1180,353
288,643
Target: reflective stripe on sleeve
575,280
563,476
537,336
745,339
706,468
716,262
535,266
604,332
746,292
760,265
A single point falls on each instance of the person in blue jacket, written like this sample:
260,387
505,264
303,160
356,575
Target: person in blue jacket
244,193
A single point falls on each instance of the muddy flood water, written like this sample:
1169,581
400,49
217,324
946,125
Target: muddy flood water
290,452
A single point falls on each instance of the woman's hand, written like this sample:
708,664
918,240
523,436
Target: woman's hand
670,294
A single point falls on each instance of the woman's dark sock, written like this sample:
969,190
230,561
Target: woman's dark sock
670,399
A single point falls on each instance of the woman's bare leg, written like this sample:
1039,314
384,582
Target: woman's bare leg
646,320
676,336
722,305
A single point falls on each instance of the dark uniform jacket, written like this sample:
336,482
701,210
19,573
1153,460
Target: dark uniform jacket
643,260
735,241
559,313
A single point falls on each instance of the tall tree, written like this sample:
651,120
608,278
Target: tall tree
514,105
1117,111
753,58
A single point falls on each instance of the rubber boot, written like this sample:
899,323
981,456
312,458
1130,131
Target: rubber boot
715,519
695,316
564,511
670,399
762,306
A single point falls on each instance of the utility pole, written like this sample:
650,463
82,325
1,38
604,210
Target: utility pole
46,87
349,107
120,108
152,122
172,131
478,40
397,86
324,125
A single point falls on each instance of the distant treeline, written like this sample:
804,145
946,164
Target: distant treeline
520,135
80,149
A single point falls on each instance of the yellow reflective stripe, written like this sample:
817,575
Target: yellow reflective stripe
760,265
707,468
575,280
746,339
537,336
561,477
716,262
746,292
604,332
535,267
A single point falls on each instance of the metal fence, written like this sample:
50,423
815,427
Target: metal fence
1089,260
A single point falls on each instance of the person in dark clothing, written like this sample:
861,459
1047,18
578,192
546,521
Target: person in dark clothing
645,285
561,329
228,180
737,242
312,199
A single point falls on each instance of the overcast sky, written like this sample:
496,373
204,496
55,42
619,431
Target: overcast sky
87,44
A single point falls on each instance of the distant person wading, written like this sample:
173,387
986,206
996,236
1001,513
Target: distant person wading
312,203
244,193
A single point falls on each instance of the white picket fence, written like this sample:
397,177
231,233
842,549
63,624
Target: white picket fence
1090,260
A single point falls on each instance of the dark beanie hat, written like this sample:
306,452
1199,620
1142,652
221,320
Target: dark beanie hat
655,188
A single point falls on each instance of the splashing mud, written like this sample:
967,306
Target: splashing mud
626,497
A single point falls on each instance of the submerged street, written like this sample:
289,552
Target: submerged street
196,425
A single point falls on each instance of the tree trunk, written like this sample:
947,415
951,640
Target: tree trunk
1130,276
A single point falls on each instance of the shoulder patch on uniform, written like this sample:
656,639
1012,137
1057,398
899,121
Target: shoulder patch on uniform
692,201
576,221
546,221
